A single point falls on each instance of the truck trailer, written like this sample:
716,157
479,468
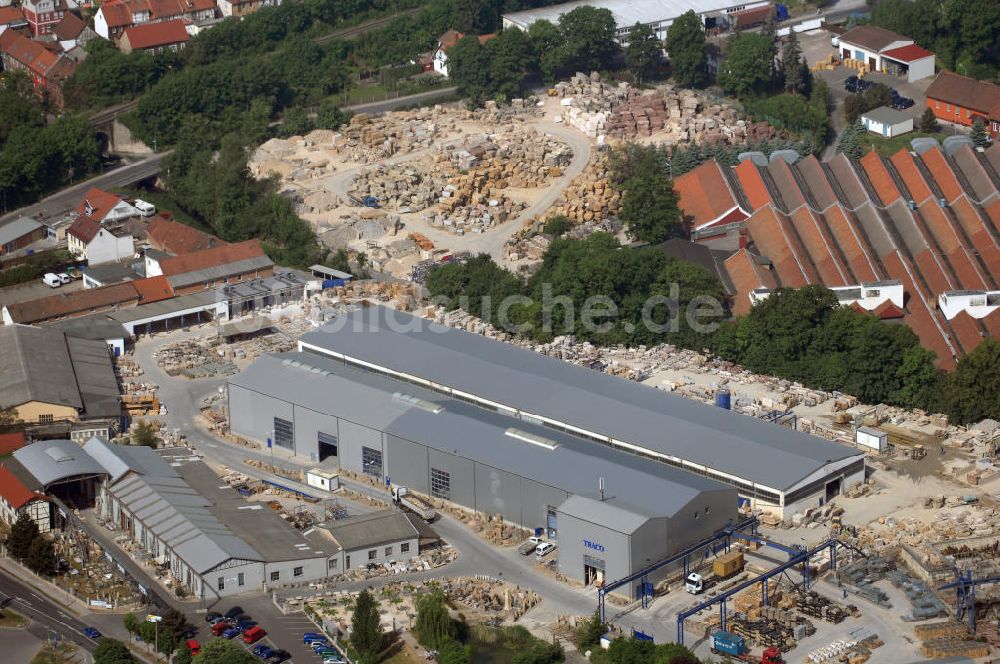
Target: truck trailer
727,643
402,497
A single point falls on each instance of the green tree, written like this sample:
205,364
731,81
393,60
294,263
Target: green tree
475,16
650,209
978,134
131,623
22,534
791,64
746,71
9,419
184,655
469,68
175,626
509,55
545,40
540,652
329,115
453,652
222,651
433,625
643,51
588,633
295,122
41,558
366,627
557,226
112,651
851,141
587,40
144,434
686,49
970,392
928,122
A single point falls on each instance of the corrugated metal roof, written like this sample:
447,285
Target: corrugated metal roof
574,465
624,410
18,229
610,513
374,529
626,12
35,366
49,461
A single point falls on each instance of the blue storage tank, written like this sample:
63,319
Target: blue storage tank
723,399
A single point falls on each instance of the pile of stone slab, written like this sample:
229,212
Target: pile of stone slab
589,197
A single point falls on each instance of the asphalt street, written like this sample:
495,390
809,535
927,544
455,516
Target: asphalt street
47,617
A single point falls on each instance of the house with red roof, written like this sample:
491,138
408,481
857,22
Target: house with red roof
12,17
176,238
115,16
244,7
11,441
960,99
887,52
42,15
17,499
446,41
169,35
213,267
96,243
47,70
104,207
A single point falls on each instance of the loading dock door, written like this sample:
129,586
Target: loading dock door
832,489
593,571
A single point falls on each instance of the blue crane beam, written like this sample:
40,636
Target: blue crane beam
790,550
965,590
684,554
802,557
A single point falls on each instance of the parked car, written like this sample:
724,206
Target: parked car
244,625
211,616
233,612
320,646
230,633
194,646
263,651
544,549
316,638
64,278
92,633
219,627
312,635
254,634
52,280
902,103
334,659
851,83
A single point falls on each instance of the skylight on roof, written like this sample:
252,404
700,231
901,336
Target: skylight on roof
533,439
423,404
59,455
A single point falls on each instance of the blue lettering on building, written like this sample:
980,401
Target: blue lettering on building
593,545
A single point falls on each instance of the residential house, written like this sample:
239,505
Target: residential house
12,17
244,7
176,238
42,15
887,122
47,70
115,16
211,268
18,234
99,244
75,381
17,499
72,31
104,207
887,52
446,41
155,37
960,99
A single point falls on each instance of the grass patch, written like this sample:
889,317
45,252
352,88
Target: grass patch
12,619
887,147
164,202
62,655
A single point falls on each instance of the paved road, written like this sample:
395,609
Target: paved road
66,199
46,616
419,99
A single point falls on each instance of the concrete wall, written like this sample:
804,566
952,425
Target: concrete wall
310,569
616,548
360,558
107,248
31,411
253,579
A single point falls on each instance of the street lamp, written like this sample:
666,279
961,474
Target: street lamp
156,632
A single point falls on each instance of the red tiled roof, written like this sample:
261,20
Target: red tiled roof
965,92
453,36
753,184
770,235
967,331
910,53
879,176
747,275
871,37
11,441
856,251
30,53
101,201
10,15
69,27
178,238
200,260
84,228
889,311
941,171
704,195
117,13
907,169
154,35
65,304
817,244
14,491
153,289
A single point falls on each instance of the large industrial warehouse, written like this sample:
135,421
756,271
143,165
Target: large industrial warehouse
500,429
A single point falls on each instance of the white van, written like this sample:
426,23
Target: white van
544,549
144,208
52,280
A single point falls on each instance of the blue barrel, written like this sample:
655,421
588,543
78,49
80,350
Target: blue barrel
722,399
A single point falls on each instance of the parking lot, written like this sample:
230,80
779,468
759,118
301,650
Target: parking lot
34,289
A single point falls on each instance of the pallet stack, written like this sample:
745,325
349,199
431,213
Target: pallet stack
946,647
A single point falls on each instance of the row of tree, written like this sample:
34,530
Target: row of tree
29,547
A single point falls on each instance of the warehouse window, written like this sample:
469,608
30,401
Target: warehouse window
45,419
275,576
284,433
371,461
240,579
404,547
332,564
388,551
297,571
373,554
440,484
222,583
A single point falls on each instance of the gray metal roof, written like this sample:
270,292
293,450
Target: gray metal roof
574,465
886,115
374,529
51,461
745,447
95,326
95,377
118,460
626,12
18,229
111,273
35,366
610,513
216,272
168,307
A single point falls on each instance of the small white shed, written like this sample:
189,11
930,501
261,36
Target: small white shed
887,122
322,479
872,438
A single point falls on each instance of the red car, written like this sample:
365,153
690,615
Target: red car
194,646
220,627
254,634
